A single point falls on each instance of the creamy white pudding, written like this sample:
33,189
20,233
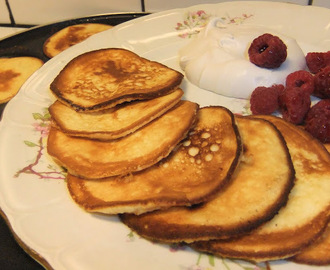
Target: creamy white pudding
217,60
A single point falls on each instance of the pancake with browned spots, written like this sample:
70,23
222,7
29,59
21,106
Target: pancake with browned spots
107,77
302,219
194,172
258,189
14,72
112,123
143,148
71,35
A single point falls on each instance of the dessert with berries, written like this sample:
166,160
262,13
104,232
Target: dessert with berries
218,59
294,98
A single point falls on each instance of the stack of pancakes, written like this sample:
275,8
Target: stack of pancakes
255,188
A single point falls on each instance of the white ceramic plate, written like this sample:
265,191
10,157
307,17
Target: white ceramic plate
33,193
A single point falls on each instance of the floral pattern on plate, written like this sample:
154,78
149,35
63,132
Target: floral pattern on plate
195,21
75,235
41,126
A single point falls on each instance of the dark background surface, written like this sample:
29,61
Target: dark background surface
29,43
12,256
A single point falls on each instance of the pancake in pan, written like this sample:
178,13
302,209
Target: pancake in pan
94,159
70,36
112,123
14,72
259,187
104,78
305,215
193,172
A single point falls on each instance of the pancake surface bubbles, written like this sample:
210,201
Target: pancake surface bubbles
107,77
199,166
302,219
258,188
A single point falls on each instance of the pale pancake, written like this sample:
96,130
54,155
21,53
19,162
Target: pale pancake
14,72
193,172
318,253
104,78
112,123
259,187
70,36
304,217
148,145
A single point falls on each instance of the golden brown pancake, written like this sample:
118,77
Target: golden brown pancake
306,213
318,253
259,187
99,159
14,72
104,78
112,123
191,174
70,36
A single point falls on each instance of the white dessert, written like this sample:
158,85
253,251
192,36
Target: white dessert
217,60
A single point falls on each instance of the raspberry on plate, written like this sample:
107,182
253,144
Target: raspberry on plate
317,121
267,51
294,104
264,100
322,83
315,61
302,79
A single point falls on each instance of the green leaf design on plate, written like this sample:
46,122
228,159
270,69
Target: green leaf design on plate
30,144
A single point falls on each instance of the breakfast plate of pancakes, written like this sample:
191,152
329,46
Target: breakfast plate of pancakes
141,169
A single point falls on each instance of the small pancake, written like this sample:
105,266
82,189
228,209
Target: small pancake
104,78
259,187
14,71
306,213
94,159
112,123
191,174
318,253
70,36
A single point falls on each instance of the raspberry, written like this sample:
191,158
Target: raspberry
318,121
322,83
294,104
264,100
317,60
267,51
302,79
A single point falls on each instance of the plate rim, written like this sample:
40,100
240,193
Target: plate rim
24,245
